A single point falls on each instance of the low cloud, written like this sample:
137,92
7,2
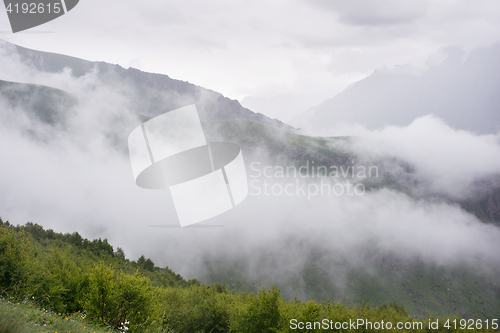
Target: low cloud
79,179
445,160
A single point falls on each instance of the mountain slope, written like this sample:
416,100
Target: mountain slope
48,105
145,94
463,93
153,93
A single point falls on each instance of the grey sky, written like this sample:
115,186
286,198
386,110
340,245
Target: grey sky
263,49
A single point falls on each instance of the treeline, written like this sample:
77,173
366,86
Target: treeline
69,274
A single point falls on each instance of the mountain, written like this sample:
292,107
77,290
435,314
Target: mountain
147,95
104,101
463,91
48,105
153,93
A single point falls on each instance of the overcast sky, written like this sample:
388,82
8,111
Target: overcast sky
284,55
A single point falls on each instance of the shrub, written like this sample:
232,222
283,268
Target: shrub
114,298
263,314
59,283
16,258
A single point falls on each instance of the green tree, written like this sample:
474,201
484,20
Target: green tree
205,310
119,253
60,282
263,314
16,261
146,264
113,298
134,300
100,302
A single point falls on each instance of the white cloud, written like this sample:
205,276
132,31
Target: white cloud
447,160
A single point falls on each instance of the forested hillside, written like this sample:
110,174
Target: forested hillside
52,281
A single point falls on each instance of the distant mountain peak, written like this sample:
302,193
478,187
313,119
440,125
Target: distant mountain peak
463,91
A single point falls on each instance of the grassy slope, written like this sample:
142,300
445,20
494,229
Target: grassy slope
29,318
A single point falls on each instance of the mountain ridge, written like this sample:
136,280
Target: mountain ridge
461,92
184,93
